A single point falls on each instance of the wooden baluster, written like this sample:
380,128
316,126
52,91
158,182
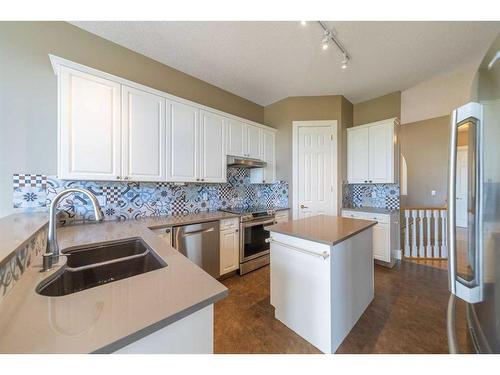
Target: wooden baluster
428,224
444,240
436,233
414,234
407,233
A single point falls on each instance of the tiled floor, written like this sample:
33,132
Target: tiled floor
407,315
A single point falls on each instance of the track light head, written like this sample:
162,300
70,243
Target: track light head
345,61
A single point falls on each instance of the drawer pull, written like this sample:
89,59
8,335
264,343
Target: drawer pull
323,255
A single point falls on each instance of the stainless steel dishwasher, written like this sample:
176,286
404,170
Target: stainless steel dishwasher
200,243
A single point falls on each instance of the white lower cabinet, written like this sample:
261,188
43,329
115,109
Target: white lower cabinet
381,242
229,246
282,216
193,334
385,233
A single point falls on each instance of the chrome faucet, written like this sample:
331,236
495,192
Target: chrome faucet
51,255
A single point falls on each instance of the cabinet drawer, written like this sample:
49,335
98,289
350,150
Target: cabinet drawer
381,218
232,223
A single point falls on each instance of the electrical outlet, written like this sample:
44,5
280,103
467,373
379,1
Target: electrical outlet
433,192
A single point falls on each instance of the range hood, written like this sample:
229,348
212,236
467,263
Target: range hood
239,162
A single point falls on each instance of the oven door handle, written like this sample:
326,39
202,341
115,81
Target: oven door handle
249,224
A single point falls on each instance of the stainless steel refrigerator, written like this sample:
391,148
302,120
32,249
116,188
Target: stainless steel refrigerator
474,210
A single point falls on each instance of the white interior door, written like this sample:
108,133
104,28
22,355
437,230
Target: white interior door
461,193
143,131
315,183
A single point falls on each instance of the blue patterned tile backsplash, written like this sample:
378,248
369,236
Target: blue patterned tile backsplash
120,200
371,195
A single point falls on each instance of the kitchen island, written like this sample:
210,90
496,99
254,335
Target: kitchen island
321,276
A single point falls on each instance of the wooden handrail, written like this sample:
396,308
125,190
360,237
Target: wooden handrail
423,208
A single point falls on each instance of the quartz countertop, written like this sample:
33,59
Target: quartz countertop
108,317
372,210
17,229
326,229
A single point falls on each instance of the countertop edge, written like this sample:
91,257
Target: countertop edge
21,243
329,243
134,337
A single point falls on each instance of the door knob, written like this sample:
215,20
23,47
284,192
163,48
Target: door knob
302,206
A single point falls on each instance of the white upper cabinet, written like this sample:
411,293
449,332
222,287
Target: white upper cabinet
114,129
89,127
267,174
244,140
236,138
213,161
182,143
372,153
143,134
254,142
357,155
381,153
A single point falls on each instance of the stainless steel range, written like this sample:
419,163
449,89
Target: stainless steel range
254,250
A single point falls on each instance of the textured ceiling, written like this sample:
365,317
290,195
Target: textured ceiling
268,61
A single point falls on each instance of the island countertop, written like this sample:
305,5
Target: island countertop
108,317
326,229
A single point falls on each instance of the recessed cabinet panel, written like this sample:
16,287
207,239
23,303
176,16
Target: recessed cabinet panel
381,243
89,127
229,250
254,145
357,159
380,158
143,130
267,174
213,148
182,141
236,138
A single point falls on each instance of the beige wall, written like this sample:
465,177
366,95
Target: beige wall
381,108
439,95
280,115
28,91
425,147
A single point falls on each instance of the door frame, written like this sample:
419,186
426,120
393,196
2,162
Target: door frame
333,125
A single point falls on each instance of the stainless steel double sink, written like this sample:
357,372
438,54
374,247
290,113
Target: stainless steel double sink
93,265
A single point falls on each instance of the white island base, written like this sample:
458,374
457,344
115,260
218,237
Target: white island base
321,297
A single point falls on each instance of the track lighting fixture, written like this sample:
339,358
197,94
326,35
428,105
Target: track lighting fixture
329,36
